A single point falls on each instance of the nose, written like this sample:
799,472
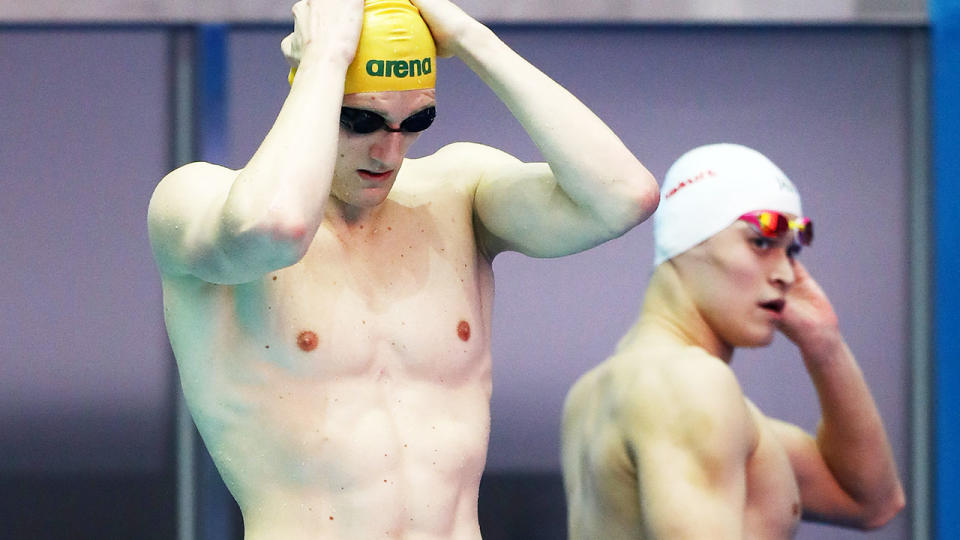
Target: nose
782,275
389,149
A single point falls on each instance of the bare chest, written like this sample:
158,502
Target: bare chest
400,297
773,507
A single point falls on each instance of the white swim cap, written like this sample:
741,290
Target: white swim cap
708,188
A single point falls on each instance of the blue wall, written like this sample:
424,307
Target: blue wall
945,21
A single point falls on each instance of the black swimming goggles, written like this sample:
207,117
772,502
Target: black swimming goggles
362,121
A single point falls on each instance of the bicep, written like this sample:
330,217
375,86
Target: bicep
822,496
521,207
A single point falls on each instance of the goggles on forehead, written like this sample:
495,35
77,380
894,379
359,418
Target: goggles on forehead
362,121
773,224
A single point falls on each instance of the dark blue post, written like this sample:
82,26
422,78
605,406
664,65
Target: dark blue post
211,94
945,40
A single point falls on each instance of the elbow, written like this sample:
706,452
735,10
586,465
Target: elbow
649,197
288,239
291,243
881,512
640,197
277,241
291,234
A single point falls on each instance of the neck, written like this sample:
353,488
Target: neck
669,313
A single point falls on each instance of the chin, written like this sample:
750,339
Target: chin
762,341
754,341
368,198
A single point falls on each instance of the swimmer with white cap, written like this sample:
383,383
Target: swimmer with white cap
329,304
659,440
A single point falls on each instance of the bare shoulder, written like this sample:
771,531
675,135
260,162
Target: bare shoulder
473,155
658,401
585,393
641,380
683,393
688,375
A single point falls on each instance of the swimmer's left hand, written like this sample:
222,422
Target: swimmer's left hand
447,23
808,317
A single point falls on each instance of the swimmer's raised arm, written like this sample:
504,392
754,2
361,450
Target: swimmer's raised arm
227,226
591,189
847,474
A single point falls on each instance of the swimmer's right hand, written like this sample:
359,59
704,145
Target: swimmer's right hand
809,320
327,27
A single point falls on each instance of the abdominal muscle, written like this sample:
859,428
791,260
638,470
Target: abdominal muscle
359,459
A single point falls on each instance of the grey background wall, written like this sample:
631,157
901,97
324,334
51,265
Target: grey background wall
86,393
85,372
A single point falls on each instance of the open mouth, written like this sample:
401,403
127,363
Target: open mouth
775,306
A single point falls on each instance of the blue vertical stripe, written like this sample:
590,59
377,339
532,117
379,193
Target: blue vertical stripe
211,95
945,40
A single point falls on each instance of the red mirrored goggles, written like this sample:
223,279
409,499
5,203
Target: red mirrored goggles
773,224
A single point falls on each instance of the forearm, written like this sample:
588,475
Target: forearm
277,201
590,163
851,437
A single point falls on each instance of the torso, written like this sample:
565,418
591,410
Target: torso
347,396
601,475
773,506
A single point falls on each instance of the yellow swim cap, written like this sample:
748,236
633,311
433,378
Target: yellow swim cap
395,52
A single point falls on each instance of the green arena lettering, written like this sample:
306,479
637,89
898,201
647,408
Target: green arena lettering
399,68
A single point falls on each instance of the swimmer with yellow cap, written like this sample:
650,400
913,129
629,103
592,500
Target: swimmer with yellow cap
329,303
395,52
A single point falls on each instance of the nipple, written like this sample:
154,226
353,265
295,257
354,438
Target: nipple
463,330
307,341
